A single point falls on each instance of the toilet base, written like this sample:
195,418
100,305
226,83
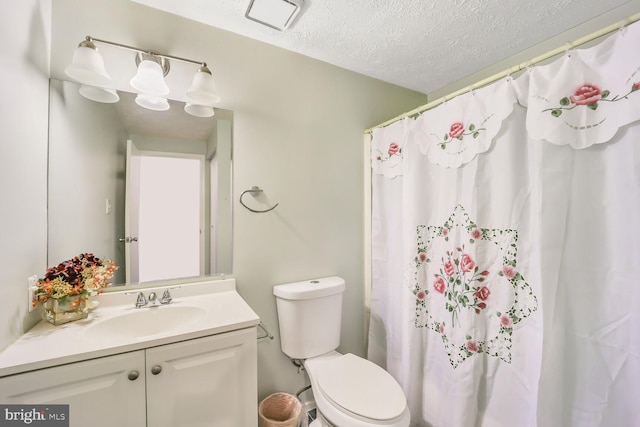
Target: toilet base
320,422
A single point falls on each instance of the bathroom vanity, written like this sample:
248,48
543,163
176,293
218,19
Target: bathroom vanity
190,362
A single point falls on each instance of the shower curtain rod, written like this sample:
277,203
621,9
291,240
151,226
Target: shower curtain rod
570,45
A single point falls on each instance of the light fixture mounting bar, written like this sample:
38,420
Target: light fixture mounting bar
149,52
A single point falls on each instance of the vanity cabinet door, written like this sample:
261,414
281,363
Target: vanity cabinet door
209,381
103,392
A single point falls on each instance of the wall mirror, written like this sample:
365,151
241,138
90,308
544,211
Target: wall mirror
149,189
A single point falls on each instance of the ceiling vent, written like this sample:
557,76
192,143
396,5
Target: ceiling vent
278,14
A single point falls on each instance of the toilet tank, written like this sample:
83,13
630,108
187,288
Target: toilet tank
310,316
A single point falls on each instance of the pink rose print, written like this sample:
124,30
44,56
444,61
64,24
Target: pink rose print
465,306
458,273
483,293
508,271
457,129
589,95
475,234
481,306
505,320
422,257
586,94
394,149
449,269
467,263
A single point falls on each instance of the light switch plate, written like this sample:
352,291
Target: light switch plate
32,283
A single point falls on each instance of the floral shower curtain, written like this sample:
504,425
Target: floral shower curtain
506,248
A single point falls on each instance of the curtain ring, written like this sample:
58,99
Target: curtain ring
568,49
527,65
622,28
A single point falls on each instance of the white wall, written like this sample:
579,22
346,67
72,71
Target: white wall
87,153
224,216
24,55
300,140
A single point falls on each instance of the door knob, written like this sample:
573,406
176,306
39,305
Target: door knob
128,239
133,375
156,370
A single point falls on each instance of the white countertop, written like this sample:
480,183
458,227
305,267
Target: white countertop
46,345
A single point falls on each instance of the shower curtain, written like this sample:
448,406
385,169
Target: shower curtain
506,248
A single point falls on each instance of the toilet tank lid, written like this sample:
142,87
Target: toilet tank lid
308,289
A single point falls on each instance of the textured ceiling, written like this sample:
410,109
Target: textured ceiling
418,44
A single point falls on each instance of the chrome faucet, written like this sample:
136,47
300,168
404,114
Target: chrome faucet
152,299
166,297
141,301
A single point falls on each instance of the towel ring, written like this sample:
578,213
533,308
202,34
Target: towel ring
255,190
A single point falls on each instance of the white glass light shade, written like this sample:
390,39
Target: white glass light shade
203,88
99,94
199,110
87,67
150,102
150,79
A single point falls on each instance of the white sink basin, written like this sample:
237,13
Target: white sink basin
147,321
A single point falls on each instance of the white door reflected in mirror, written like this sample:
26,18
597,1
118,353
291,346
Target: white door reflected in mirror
161,189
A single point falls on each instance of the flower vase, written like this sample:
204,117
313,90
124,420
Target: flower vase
68,309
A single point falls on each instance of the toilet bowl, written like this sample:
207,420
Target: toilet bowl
354,392
349,391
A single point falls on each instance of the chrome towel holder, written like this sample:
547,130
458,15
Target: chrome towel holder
266,331
254,192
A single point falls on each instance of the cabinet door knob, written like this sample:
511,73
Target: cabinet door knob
133,375
156,370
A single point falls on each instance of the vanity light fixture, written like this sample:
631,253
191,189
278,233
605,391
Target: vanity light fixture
277,14
199,110
203,87
89,70
99,94
88,66
149,79
152,102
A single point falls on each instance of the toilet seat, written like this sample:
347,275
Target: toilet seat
360,387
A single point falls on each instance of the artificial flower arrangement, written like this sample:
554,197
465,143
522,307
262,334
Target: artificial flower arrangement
67,286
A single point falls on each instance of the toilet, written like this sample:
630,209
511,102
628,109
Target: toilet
349,391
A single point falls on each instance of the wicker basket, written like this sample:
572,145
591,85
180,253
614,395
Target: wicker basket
279,410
